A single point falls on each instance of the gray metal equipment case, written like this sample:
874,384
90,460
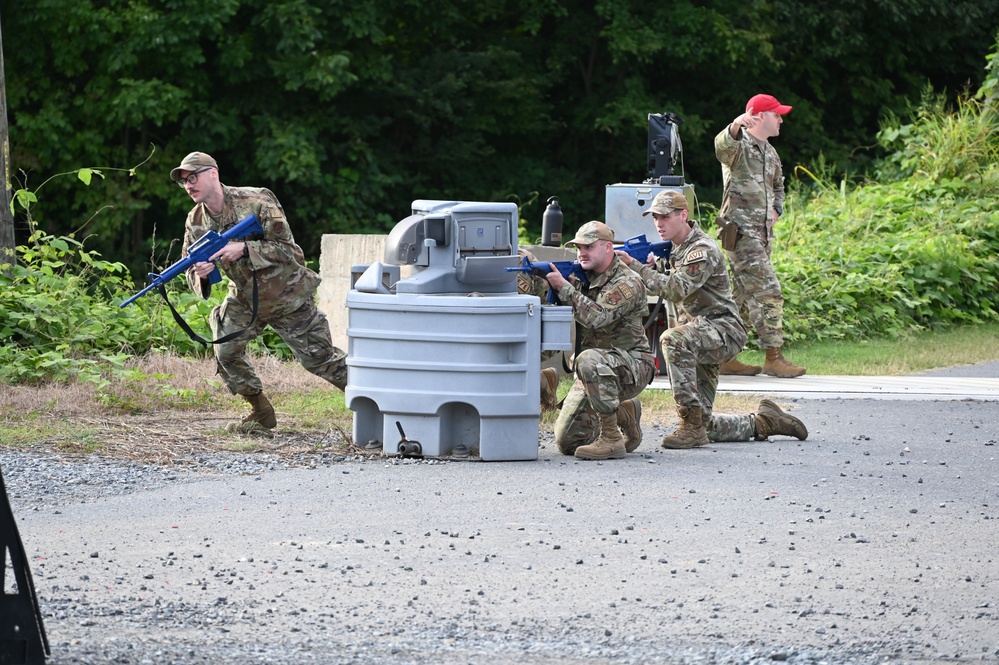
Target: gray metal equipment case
625,203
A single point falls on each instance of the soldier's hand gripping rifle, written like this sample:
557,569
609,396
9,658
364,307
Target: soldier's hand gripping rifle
542,268
639,248
201,252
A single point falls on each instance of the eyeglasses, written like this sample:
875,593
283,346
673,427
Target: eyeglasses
191,179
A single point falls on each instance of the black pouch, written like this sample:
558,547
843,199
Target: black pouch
728,234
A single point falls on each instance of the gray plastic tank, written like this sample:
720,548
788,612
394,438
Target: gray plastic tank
447,361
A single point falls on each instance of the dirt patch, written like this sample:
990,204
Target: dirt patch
166,409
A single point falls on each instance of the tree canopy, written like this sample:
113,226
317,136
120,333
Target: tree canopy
350,110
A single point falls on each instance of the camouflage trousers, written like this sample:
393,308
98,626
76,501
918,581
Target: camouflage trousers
604,379
730,427
694,351
757,291
305,331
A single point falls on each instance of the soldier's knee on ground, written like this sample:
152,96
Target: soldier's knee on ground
573,432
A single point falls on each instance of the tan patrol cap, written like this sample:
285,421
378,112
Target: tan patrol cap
666,202
193,162
590,232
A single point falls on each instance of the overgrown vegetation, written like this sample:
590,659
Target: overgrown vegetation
61,321
914,250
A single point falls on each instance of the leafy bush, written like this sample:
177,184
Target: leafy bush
914,252
61,321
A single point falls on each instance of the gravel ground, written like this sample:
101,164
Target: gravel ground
874,541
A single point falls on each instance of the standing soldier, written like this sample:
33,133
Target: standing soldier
615,363
752,201
274,266
709,332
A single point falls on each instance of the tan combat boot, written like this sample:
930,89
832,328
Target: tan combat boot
736,368
262,413
629,418
771,420
549,385
777,365
610,443
692,431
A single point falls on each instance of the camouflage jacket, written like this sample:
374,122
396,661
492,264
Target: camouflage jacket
697,281
610,310
529,284
284,282
754,183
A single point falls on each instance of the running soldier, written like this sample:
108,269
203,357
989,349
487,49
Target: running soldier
286,287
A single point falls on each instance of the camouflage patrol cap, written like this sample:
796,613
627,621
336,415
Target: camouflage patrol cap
666,202
193,162
590,232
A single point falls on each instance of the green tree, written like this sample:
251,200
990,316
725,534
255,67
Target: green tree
350,110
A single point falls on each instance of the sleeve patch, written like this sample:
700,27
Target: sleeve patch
692,269
697,255
623,293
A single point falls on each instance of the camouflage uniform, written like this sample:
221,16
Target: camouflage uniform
534,285
286,292
754,185
708,331
616,362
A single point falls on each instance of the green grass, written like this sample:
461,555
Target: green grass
964,345
33,431
315,408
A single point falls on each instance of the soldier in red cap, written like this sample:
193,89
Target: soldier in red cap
752,201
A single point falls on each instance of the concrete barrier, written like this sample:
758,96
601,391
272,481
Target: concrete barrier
339,253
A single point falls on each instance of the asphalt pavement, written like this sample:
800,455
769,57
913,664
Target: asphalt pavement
876,540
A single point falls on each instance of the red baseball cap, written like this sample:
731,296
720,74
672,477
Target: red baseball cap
761,103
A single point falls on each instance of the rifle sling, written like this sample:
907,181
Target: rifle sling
655,313
221,340
575,353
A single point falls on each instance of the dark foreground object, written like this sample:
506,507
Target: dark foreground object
22,634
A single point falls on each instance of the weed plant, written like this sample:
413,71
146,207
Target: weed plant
912,252
60,317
